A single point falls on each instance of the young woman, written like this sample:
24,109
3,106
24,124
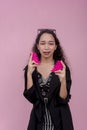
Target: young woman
47,90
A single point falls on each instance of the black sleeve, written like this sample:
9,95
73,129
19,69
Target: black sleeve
68,85
29,94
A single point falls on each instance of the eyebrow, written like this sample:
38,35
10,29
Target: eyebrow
51,41
44,41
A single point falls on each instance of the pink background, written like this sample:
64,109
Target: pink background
19,21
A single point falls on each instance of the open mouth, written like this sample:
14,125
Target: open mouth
46,53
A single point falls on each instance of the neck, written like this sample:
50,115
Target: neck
47,60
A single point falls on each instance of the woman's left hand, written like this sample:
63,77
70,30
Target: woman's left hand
61,73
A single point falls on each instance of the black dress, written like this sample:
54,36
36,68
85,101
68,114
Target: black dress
50,111
44,87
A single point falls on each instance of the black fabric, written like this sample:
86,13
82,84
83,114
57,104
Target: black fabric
44,86
58,107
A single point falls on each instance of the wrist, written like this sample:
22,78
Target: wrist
63,80
29,73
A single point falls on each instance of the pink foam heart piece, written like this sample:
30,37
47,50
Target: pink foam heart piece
57,66
35,58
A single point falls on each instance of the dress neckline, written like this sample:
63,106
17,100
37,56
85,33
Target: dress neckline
42,74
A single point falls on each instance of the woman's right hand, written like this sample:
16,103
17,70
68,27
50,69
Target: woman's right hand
31,64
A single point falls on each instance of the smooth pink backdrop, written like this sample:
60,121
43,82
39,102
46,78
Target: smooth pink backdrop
19,21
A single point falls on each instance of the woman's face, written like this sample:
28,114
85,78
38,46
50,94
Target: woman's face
46,45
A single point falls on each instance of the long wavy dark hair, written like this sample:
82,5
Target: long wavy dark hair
58,53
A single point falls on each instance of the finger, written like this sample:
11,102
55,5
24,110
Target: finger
30,58
31,54
34,65
33,62
63,64
58,74
58,71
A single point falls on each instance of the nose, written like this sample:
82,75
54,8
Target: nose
46,46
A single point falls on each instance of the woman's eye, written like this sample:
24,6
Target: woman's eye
51,43
42,43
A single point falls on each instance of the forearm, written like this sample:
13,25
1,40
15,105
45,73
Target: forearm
63,89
